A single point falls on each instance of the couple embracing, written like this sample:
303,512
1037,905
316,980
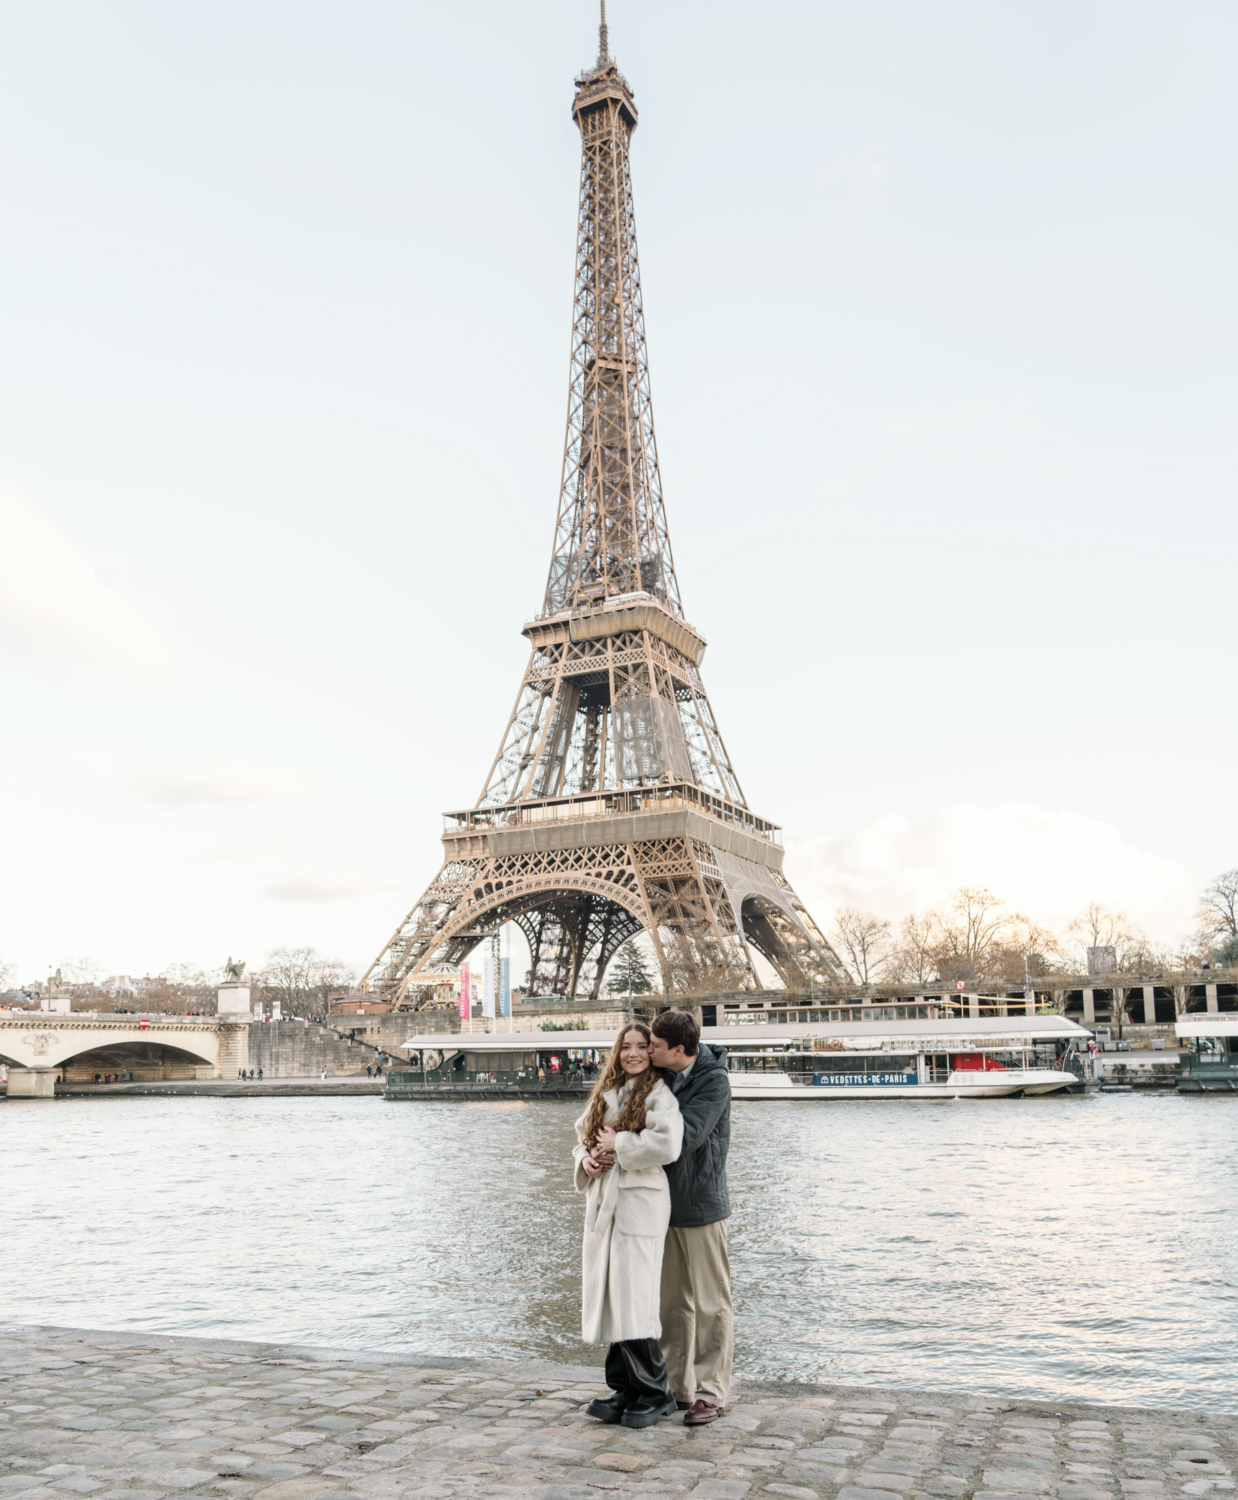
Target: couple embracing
651,1158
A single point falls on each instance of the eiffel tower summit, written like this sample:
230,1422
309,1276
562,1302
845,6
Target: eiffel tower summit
612,807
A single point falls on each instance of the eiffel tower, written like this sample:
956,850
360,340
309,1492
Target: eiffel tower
612,807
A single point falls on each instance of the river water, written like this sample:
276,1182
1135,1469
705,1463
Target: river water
1077,1248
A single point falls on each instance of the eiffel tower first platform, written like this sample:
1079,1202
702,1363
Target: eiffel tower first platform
612,807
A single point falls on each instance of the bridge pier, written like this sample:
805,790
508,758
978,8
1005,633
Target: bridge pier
233,1049
32,1083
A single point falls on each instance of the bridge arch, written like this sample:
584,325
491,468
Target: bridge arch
147,1061
47,1042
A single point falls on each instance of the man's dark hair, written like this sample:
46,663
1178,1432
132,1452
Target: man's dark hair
678,1029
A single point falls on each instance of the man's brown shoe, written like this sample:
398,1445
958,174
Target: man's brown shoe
701,1412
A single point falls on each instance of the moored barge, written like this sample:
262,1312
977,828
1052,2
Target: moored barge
1209,1065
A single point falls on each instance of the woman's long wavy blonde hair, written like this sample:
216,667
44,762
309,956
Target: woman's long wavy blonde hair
612,1076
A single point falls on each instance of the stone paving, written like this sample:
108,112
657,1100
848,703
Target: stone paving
125,1417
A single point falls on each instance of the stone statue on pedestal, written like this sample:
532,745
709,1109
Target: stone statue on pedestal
232,997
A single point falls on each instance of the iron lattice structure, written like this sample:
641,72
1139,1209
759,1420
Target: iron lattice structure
612,807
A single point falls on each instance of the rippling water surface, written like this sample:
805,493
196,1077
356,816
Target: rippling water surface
1053,1248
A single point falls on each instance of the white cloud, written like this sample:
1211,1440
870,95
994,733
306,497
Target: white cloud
56,613
1048,864
192,782
322,890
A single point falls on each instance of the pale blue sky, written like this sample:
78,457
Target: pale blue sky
941,309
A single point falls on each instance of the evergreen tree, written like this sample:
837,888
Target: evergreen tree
628,973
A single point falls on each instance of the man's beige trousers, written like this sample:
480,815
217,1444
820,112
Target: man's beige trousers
697,1329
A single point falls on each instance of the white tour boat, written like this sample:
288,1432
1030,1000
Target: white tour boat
915,1059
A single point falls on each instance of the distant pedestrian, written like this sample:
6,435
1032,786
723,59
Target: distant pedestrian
369,1072
259,1075
240,1072
324,1073
541,1074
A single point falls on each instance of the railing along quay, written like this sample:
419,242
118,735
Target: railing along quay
400,1086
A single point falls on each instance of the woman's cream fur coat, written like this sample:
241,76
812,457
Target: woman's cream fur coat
626,1213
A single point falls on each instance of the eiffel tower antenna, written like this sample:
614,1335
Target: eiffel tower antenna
612,807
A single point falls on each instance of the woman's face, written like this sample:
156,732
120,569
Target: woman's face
634,1054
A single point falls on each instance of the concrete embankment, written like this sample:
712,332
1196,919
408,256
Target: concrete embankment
229,1089
136,1416
296,1049
399,1087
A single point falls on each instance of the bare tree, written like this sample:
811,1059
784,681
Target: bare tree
1218,906
1098,927
1058,1000
195,988
1187,951
915,955
79,970
1182,997
1117,1007
7,971
974,930
303,981
864,943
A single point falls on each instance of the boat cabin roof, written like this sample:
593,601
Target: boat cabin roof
992,1031
1208,1026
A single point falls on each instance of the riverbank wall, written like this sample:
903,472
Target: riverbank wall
345,1045
285,1088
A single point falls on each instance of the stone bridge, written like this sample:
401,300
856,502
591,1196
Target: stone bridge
43,1050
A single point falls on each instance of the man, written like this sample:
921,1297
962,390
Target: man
697,1338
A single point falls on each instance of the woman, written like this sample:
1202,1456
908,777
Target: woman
630,1130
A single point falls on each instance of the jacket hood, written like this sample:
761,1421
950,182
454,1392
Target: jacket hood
710,1056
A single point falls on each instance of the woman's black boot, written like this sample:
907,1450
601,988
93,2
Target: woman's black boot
610,1408
649,1390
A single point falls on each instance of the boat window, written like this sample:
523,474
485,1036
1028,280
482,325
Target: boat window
495,1062
987,1060
761,1062
849,1062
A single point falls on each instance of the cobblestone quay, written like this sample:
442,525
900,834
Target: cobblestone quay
125,1417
